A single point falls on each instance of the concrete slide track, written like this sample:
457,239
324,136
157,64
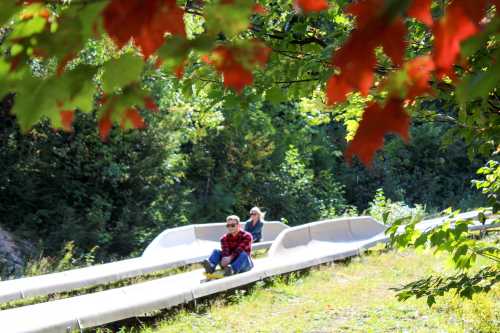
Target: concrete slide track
294,249
172,248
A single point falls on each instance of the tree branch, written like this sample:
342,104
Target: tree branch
296,81
280,35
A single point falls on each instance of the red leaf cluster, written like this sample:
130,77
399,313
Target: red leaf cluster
229,62
144,21
147,22
376,122
309,6
356,61
356,58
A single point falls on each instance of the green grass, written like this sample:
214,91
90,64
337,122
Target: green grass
349,297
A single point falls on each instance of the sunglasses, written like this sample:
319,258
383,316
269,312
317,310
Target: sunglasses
231,225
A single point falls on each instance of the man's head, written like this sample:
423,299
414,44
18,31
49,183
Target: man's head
233,224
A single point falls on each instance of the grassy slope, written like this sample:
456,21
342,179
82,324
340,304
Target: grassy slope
353,297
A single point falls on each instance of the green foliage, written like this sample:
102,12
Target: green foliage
121,72
384,210
462,284
65,260
267,156
58,187
490,184
424,172
300,196
454,238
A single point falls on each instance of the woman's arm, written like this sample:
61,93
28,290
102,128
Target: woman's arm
257,231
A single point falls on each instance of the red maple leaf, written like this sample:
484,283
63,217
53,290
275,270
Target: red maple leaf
419,72
375,123
67,118
14,62
144,21
393,41
374,27
356,70
43,13
460,22
229,62
259,9
421,10
356,58
61,66
105,126
365,11
337,88
259,53
234,75
308,6
133,116
150,104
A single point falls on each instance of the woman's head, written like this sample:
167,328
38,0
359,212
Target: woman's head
256,214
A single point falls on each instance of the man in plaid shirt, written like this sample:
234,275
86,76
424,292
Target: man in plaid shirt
236,246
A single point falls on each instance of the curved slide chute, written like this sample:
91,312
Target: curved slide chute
203,238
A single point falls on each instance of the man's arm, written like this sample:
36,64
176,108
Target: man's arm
224,246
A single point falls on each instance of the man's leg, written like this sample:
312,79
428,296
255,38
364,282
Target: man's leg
242,263
212,262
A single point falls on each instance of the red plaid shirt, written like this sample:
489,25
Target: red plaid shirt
234,245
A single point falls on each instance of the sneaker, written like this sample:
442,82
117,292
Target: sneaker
228,270
208,266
